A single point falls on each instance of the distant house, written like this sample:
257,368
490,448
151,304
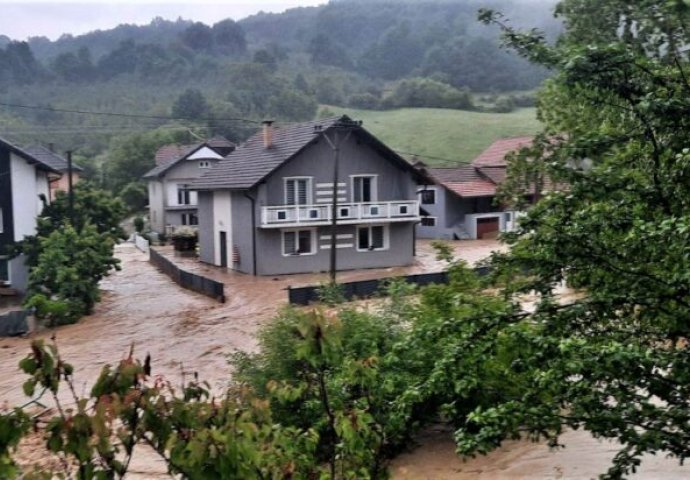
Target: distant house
266,208
171,202
24,178
59,163
461,204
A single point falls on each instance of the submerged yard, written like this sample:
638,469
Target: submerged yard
185,332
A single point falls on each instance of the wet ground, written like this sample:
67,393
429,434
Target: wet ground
182,330
185,332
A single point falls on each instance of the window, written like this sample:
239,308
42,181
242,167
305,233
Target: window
4,270
428,221
428,197
183,197
204,164
298,191
298,242
363,188
190,219
371,238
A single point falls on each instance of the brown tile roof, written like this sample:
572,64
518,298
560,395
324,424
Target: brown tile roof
494,156
251,162
169,153
471,189
496,174
465,181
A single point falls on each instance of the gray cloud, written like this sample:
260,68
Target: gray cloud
52,19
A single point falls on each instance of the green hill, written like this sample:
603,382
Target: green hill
447,136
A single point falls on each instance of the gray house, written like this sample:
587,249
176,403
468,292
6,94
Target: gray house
461,203
266,208
24,178
171,202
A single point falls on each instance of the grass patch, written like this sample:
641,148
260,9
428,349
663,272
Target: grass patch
455,135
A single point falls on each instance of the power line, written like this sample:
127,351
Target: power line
128,115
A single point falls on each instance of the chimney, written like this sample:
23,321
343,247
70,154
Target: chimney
51,147
268,133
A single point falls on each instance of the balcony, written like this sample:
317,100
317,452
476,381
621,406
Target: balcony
348,214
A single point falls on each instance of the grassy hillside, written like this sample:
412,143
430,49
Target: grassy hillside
455,135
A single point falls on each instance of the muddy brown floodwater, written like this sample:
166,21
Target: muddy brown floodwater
185,331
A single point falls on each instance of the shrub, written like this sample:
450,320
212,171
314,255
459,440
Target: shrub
139,224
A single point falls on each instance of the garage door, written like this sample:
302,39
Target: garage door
487,227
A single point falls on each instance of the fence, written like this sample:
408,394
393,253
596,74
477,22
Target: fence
141,243
190,281
15,323
368,288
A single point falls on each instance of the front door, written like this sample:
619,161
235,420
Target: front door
223,249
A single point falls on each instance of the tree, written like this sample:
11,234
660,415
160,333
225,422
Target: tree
190,105
198,37
229,37
63,283
611,359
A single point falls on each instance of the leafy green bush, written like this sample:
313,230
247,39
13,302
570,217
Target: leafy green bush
425,92
63,285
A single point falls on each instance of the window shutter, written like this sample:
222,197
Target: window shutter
302,192
377,237
290,192
289,243
363,238
305,241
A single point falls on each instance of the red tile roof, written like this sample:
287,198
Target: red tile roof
170,153
494,156
472,189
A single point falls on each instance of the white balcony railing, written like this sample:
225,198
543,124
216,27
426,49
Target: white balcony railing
348,213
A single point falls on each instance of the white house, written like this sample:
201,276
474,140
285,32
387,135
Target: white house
24,179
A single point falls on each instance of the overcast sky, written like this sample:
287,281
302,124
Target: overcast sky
50,18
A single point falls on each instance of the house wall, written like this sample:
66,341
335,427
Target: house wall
206,222
62,183
27,184
20,186
242,230
222,222
271,261
316,161
156,206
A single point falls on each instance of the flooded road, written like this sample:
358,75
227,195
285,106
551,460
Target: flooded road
583,458
185,331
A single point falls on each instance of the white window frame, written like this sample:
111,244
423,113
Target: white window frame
435,190
374,186
312,232
435,219
310,190
182,188
386,237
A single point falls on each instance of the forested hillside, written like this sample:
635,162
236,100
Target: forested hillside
187,79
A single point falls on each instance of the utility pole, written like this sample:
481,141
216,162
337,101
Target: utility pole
335,144
70,191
